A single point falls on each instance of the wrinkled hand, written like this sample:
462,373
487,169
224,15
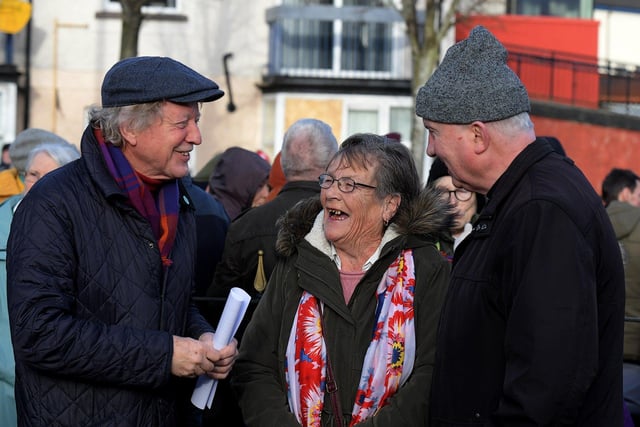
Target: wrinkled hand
192,358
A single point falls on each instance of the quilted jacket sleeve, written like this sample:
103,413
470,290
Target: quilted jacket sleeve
43,295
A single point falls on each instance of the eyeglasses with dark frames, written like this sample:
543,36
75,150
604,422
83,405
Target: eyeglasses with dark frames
460,193
345,184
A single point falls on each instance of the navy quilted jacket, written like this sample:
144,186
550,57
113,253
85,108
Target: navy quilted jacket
92,310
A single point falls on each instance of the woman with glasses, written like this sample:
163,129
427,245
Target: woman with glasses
466,205
50,153
345,332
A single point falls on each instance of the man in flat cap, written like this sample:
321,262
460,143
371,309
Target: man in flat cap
531,330
101,263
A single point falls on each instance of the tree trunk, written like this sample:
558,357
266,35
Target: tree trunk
425,43
131,23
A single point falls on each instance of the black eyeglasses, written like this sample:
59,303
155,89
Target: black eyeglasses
460,193
345,184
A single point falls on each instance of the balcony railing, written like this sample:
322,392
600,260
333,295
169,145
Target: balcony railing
580,81
346,42
355,42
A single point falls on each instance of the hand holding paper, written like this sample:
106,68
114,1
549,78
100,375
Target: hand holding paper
232,315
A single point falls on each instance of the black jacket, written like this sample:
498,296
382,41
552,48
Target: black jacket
531,330
256,230
92,309
212,223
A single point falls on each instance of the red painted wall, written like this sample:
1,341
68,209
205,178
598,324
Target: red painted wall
570,36
569,75
595,149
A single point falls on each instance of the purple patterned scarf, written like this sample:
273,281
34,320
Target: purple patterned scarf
160,211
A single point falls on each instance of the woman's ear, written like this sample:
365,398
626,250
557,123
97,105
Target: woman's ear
390,207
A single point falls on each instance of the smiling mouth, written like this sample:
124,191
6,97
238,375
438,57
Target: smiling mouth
184,153
336,214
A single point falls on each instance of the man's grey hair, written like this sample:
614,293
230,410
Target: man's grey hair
60,153
136,117
513,125
307,147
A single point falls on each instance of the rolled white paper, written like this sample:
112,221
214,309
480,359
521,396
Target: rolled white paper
232,315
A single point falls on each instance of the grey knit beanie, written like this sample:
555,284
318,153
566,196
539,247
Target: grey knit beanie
473,82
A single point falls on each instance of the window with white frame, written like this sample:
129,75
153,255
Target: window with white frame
400,120
362,121
8,101
334,47
562,8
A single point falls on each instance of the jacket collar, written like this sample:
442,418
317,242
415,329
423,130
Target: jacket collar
428,214
500,191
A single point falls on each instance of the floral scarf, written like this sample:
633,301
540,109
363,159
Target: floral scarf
387,363
160,211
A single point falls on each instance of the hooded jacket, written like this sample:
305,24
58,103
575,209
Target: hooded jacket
92,309
259,372
625,219
236,178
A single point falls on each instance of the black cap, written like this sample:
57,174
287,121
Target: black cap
143,79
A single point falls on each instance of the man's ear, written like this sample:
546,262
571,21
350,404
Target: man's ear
128,135
481,138
624,195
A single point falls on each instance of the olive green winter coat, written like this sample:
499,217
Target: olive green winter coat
259,375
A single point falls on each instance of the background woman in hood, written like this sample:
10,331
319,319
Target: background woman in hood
239,180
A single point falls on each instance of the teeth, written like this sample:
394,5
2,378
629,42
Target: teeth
335,212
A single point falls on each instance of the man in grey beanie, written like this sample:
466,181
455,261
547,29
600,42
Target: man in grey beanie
531,330
101,263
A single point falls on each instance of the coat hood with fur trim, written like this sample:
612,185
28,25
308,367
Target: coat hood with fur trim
428,214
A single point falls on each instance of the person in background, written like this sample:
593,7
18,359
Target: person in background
531,330
42,160
466,204
345,331
101,263
5,161
240,180
276,178
394,136
250,249
621,197
212,223
621,186
12,179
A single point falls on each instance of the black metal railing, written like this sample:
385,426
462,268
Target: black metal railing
578,81
370,43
